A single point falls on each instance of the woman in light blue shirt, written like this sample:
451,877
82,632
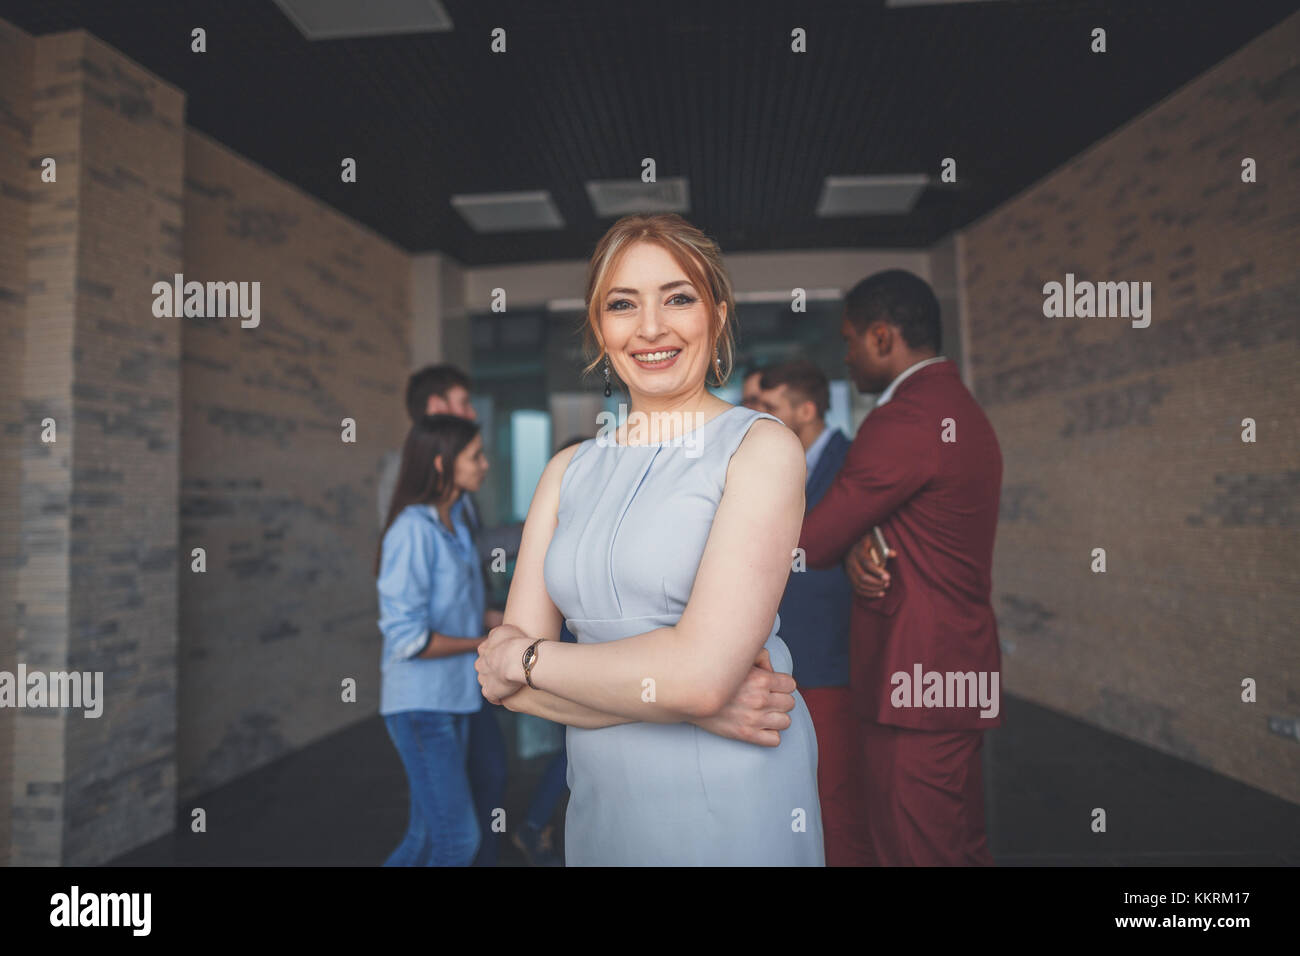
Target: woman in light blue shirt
431,603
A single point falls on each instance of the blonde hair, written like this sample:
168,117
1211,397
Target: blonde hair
696,254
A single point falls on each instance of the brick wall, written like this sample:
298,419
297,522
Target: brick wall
42,612
15,184
120,782
1129,439
99,526
284,509
97,576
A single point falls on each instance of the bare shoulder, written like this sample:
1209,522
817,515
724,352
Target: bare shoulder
548,486
770,448
560,460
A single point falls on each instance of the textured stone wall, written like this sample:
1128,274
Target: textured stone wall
16,51
97,576
283,508
100,525
1130,439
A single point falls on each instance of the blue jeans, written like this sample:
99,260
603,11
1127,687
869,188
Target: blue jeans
487,777
549,790
443,828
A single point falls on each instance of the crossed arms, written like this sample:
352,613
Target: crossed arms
709,668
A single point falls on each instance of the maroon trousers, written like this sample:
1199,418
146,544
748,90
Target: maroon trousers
839,777
923,795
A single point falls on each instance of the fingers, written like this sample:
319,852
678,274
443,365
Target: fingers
876,573
869,581
779,684
764,660
779,704
855,570
865,576
776,720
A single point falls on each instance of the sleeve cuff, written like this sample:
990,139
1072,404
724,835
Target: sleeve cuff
414,647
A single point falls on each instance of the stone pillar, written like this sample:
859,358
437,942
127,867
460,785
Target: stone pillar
15,185
440,329
97,580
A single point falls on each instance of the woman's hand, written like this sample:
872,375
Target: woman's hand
500,663
759,710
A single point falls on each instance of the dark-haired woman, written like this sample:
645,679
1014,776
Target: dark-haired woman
431,603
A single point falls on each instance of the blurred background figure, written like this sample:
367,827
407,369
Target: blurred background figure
815,616
935,497
749,389
445,389
431,617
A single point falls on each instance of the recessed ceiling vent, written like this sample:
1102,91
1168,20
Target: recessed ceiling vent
342,19
870,195
509,212
623,197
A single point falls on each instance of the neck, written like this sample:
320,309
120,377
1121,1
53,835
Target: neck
911,359
811,432
444,507
668,416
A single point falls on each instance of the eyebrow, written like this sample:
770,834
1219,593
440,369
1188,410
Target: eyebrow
663,288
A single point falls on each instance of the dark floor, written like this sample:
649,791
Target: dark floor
342,802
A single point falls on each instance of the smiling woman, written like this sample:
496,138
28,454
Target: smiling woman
687,741
669,308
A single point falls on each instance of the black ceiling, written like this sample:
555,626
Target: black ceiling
710,89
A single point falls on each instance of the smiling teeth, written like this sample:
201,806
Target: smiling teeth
656,356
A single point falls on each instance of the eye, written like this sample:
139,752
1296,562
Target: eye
682,298
613,306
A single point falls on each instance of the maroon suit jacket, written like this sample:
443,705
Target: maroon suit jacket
937,505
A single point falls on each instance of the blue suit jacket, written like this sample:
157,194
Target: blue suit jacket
815,609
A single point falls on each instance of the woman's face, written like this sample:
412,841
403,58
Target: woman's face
471,466
655,325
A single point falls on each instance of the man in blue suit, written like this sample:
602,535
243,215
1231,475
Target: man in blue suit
815,617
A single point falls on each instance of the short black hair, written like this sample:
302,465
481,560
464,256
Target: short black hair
803,379
431,380
901,299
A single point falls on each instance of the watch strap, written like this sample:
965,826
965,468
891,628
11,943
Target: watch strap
530,658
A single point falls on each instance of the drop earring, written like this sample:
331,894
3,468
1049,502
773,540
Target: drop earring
607,391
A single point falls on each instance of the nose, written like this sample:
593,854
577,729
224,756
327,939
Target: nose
651,325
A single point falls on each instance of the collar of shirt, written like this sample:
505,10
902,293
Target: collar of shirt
458,509
814,451
888,393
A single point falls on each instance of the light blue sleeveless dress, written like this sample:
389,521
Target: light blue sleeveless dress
632,525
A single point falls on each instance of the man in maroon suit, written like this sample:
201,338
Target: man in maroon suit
924,658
